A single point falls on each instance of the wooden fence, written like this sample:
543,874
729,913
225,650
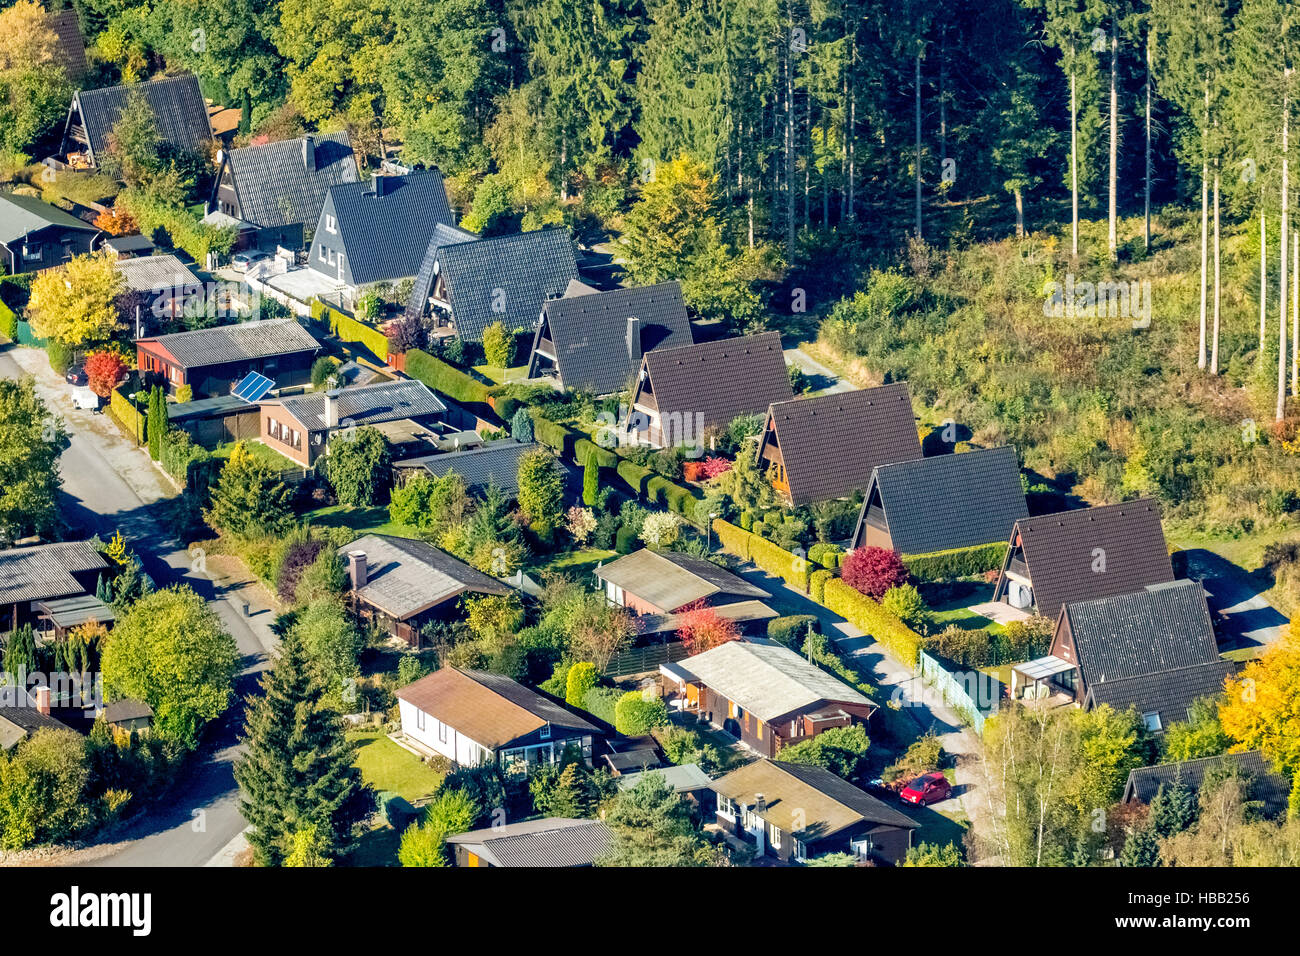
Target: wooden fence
637,660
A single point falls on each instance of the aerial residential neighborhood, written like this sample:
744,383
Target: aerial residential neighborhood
586,434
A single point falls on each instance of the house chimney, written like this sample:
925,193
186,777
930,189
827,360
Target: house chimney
43,700
760,803
357,569
633,338
309,153
332,408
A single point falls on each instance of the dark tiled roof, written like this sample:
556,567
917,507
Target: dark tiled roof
950,501
385,236
72,47
553,842
177,103
1168,693
422,288
719,381
237,343
274,185
1267,786
1060,551
126,709
20,215
405,576
831,444
589,331
367,404
505,278
45,570
1155,629
495,463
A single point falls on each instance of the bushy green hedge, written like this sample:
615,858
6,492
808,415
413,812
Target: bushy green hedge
185,230
190,464
626,540
445,378
747,546
826,555
8,322
956,562
636,714
791,629
350,330
124,410
860,610
817,584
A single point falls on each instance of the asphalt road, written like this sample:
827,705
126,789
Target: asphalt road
109,484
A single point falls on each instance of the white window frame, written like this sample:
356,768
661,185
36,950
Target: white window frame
545,732
320,252
331,225
419,719
1152,718
442,732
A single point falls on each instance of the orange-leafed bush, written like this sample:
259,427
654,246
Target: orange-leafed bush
116,222
701,628
104,372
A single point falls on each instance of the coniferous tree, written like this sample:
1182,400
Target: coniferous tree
297,771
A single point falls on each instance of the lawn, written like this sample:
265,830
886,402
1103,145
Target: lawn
260,452
950,602
387,767
372,520
499,376
578,561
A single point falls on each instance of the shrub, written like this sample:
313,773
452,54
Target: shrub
693,471
60,355
792,629
924,755
747,520
627,540
322,369
817,584
602,703
184,393
580,679
498,345
590,483
636,714
348,329
792,568
521,424
448,379
956,562
905,603
873,571
858,609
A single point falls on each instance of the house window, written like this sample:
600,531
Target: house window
442,732
1151,721
731,708
800,851
295,438
774,836
331,225
330,252
545,733
861,848
725,807
32,251
419,719
758,724
175,375
273,428
320,252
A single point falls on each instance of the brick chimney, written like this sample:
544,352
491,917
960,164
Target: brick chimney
633,338
309,153
760,803
357,569
43,700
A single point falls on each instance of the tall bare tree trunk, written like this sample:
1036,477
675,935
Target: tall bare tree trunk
1146,207
1295,308
918,144
789,149
1074,167
1205,222
1020,212
1263,280
1214,345
1281,339
1113,177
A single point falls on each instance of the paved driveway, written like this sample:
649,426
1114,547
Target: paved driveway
110,484
1243,617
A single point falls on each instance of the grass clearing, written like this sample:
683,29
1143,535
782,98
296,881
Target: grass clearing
260,453
372,520
387,767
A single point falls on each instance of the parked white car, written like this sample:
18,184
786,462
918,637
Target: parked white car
83,397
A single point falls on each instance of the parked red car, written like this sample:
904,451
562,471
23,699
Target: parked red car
926,789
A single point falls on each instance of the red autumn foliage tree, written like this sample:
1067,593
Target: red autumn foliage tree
104,371
116,222
873,571
702,629
715,466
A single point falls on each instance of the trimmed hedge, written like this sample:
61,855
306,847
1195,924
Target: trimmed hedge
626,540
817,584
826,555
791,629
124,410
190,464
8,322
956,562
858,609
772,558
350,330
451,381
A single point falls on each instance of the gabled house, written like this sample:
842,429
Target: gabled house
468,285
300,427
1087,553
1269,788
796,812
406,584
496,463
211,360
178,106
1153,649
683,392
474,718
164,281
765,694
826,447
279,188
376,232
35,235
595,341
941,503
23,713
550,842
52,587
658,585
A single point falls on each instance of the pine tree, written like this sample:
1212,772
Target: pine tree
1141,848
297,771
590,482
156,425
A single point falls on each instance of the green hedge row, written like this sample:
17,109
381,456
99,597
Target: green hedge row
568,443
658,490
956,562
772,558
445,378
817,584
791,629
858,609
350,330
8,318
124,410
190,464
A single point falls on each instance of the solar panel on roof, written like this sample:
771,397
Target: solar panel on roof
253,387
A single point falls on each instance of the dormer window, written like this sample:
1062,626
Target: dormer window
331,225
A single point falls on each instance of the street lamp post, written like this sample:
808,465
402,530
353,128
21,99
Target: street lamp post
708,533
